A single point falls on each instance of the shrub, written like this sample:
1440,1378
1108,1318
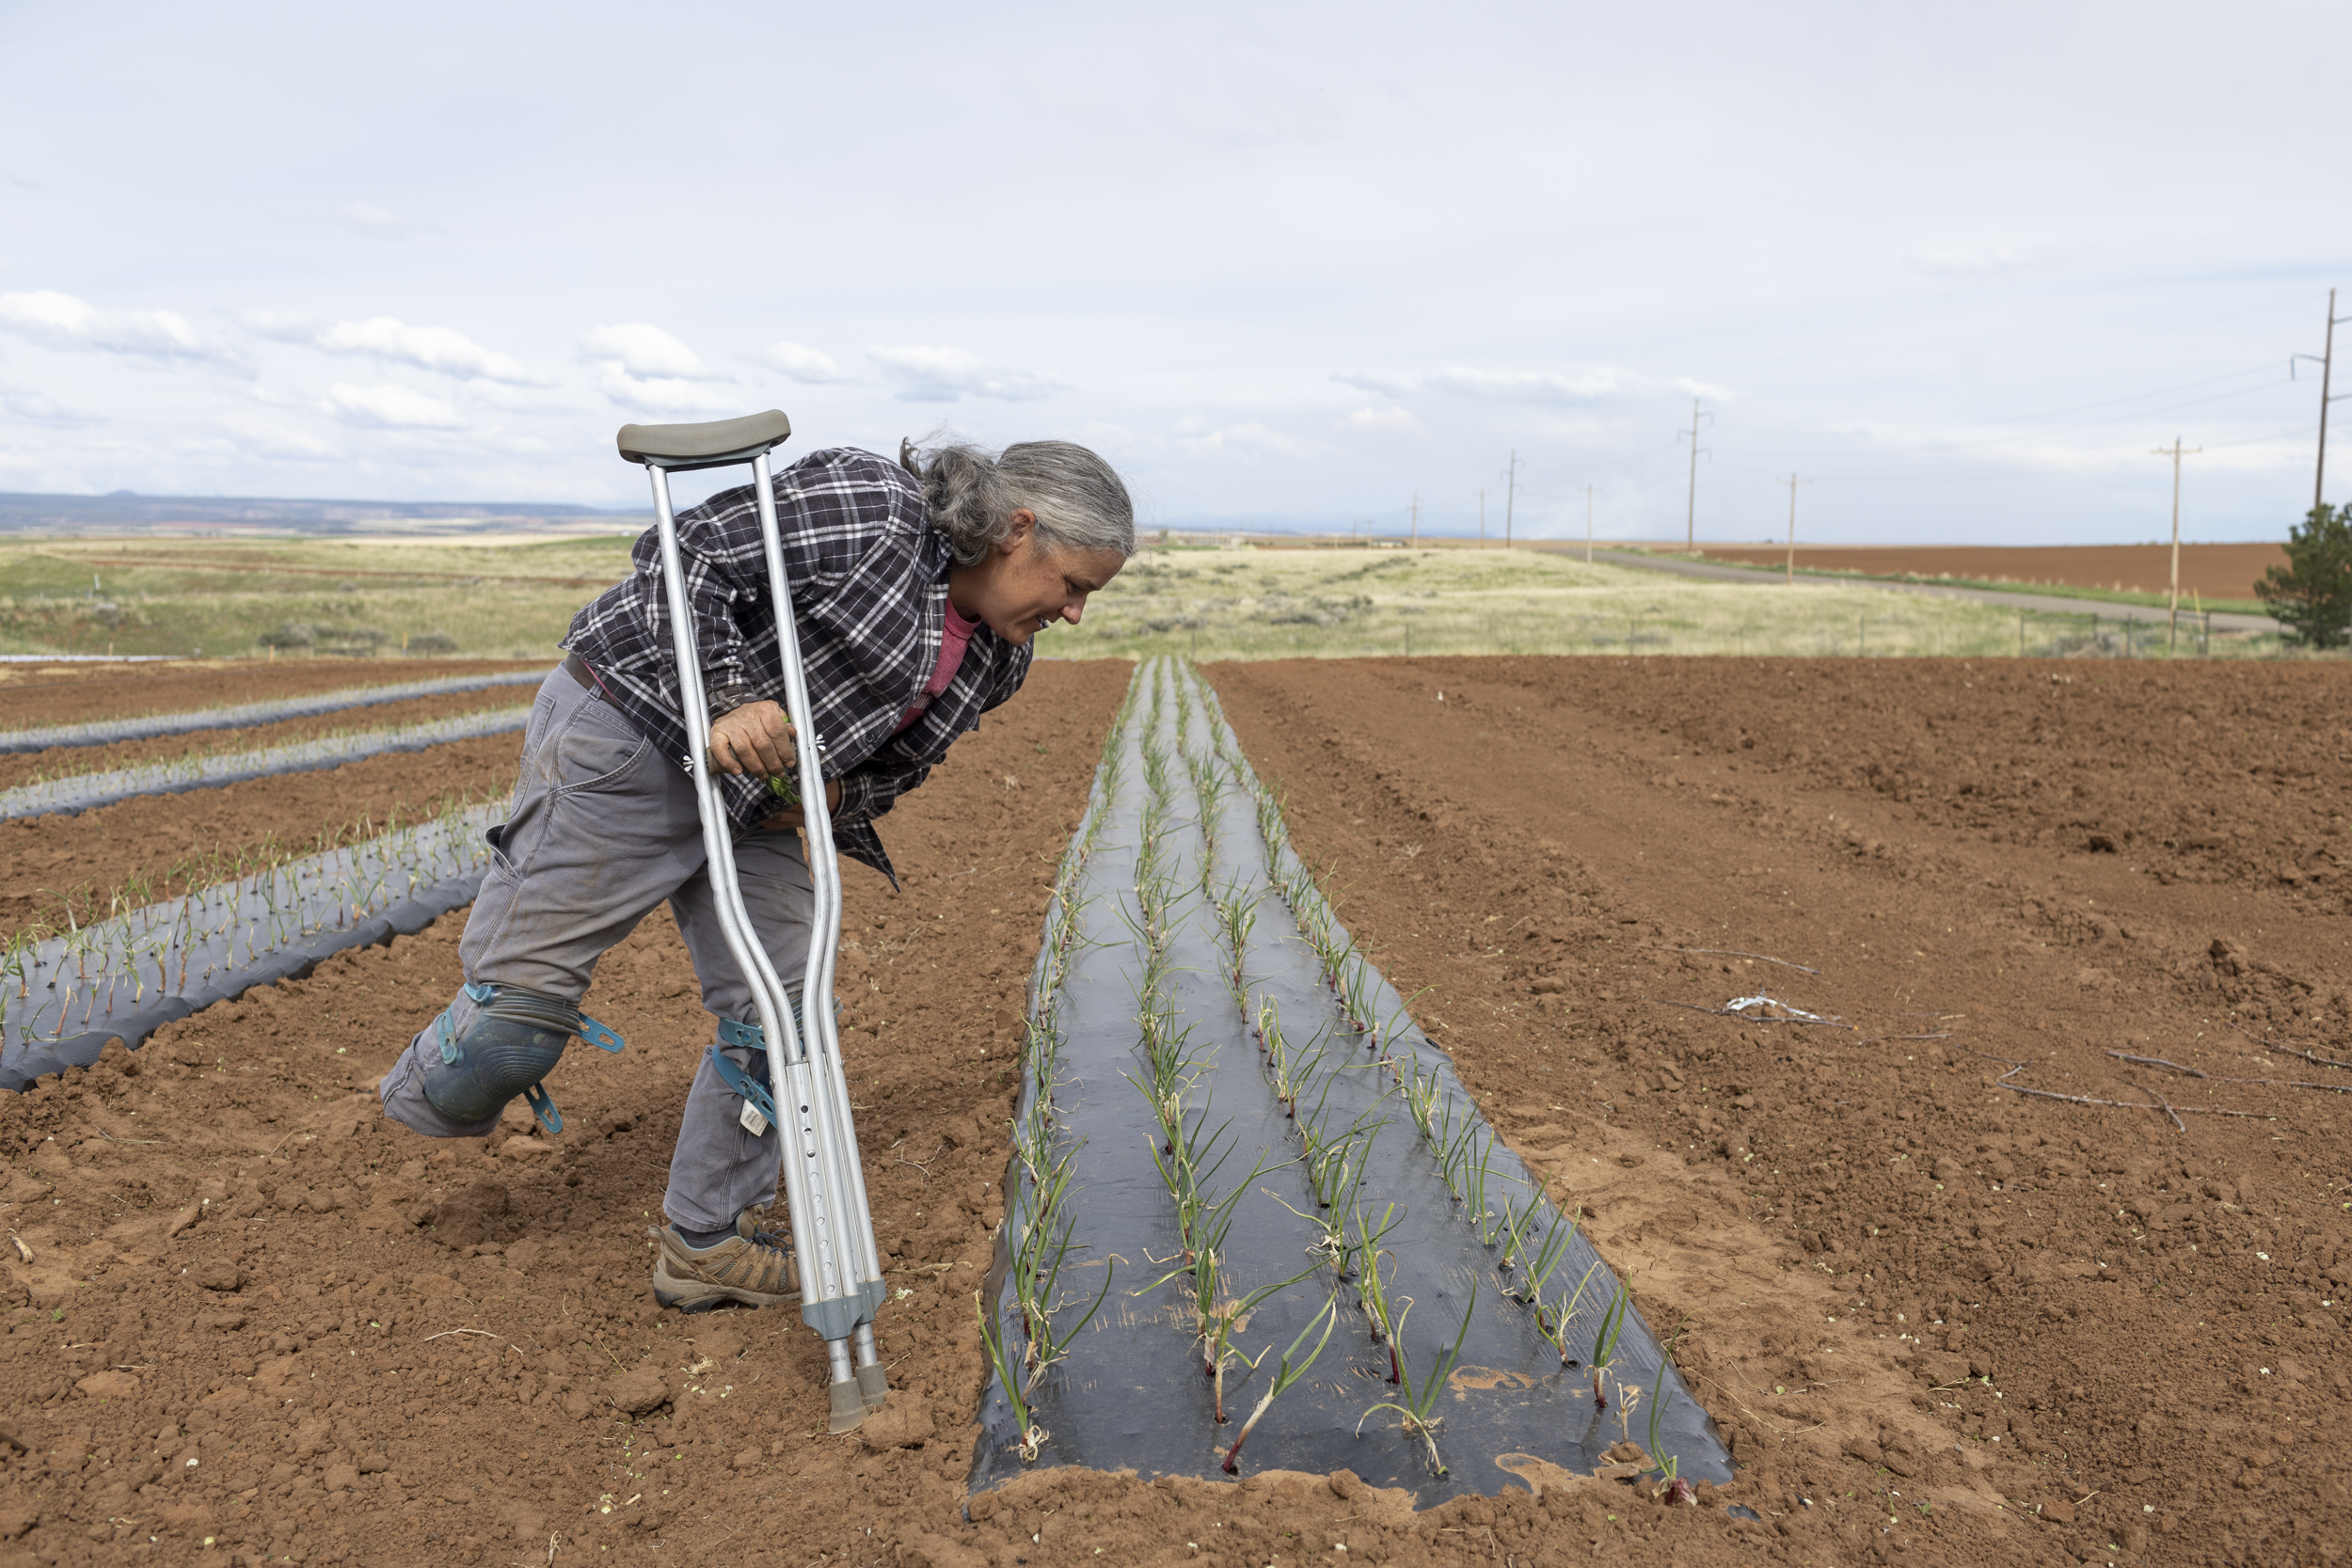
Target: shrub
432,642
290,634
2312,593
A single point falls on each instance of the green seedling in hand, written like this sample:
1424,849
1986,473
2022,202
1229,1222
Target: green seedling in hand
1287,1372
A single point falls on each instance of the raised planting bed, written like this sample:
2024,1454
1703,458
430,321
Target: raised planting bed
80,791
104,731
65,997
1254,1221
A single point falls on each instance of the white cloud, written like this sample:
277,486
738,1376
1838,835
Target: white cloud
944,374
395,407
1383,421
1600,383
667,395
1253,436
377,223
806,364
1386,386
643,349
1943,264
432,348
22,402
62,321
275,439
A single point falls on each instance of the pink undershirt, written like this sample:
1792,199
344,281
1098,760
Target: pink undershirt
952,642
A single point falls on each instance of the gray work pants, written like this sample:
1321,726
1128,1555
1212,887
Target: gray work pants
603,830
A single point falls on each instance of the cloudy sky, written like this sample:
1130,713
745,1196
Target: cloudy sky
1288,265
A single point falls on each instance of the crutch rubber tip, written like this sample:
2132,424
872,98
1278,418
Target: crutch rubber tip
873,1386
848,1407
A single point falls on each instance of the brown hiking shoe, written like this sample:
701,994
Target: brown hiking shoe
737,1269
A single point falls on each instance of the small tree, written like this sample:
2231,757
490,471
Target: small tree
2312,593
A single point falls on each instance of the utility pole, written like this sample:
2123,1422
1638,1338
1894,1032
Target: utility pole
2327,366
1690,523
1416,519
1588,525
2174,452
1792,482
1510,490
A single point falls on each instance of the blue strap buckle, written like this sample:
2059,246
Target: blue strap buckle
600,1036
543,1107
752,1090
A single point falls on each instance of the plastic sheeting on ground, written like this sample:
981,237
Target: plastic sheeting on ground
80,791
62,999
103,732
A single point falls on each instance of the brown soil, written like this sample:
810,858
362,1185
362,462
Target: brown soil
155,844
2215,571
17,768
34,695
1855,1219
1757,1179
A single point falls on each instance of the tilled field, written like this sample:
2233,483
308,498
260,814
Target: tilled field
2071,1330
1935,1318
2215,571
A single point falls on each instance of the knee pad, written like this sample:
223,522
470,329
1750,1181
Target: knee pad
513,1042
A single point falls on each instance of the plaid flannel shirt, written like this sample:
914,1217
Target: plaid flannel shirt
868,579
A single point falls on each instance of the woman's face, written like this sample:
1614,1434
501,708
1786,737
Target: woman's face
1020,588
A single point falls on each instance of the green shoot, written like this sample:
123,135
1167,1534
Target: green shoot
1287,1372
1416,1402
993,1339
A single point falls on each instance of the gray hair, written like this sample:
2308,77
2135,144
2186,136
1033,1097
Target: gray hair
972,494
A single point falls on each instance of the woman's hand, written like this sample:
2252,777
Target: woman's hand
755,739
792,818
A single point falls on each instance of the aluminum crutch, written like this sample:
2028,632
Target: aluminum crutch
824,1181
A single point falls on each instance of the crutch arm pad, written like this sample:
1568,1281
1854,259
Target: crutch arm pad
710,444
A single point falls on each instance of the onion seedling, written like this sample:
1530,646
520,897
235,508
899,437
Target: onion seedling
1229,1315
1673,1486
1288,1371
1555,1246
1016,1394
1416,1402
1605,1342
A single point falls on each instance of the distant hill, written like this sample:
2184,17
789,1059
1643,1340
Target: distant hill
129,512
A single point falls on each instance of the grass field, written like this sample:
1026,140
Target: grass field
1287,604
304,597
313,598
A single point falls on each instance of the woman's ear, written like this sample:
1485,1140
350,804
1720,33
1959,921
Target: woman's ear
1024,529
